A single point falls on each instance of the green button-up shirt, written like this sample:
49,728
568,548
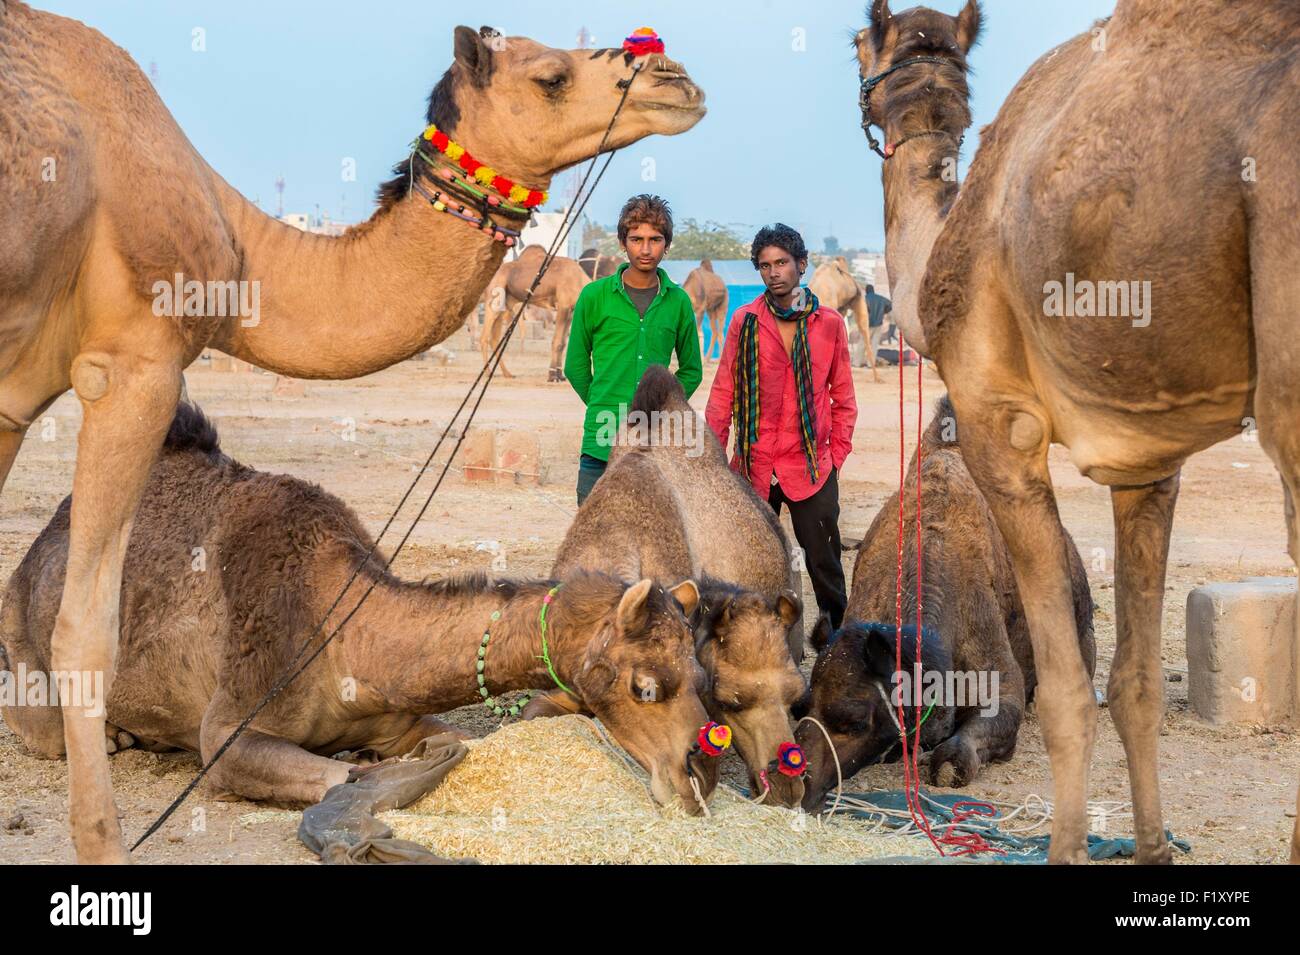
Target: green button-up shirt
610,347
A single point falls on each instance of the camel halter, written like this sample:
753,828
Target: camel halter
866,87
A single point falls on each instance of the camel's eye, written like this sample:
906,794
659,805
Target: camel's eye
552,84
646,688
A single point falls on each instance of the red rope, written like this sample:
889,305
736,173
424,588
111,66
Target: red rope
966,843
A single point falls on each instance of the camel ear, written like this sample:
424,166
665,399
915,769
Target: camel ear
474,55
969,22
790,607
632,612
687,594
883,29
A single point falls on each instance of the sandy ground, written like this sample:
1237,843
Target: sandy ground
1230,791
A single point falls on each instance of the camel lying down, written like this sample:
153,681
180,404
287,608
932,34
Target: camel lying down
668,509
977,664
228,572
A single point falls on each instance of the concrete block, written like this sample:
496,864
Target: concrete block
478,455
519,457
1241,651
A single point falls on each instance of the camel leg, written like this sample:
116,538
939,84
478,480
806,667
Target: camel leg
10,443
493,329
563,318
264,767
128,401
987,729
1136,694
552,703
1017,485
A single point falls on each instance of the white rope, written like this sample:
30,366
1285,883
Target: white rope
839,775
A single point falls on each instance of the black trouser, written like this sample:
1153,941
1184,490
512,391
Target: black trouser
816,523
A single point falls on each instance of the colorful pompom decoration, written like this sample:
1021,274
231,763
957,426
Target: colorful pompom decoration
790,760
485,175
643,42
714,738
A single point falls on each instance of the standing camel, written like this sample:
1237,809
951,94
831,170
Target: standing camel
106,202
1122,156
708,294
597,265
557,291
834,285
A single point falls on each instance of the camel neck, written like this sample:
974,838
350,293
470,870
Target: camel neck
920,185
381,292
415,647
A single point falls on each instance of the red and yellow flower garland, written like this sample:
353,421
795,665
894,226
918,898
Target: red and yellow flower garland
520,195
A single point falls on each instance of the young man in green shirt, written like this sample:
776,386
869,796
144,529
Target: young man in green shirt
623,323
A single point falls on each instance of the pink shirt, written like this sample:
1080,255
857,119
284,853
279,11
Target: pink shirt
778,449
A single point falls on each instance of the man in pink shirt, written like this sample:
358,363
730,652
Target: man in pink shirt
784,384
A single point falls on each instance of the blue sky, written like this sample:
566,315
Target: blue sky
290,87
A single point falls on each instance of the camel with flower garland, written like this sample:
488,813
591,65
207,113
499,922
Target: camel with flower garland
108,204
1164,136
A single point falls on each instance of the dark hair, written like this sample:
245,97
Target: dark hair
647,209
781,236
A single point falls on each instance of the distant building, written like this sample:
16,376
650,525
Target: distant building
544,227
869,269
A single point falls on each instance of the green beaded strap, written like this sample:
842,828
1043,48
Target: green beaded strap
546,656
490,702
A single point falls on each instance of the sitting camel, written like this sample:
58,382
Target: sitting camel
227,574
557,291
1150,166
657,512
708,294
973,628
835,285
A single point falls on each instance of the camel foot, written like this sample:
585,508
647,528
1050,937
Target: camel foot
953,764
1164,855
116,739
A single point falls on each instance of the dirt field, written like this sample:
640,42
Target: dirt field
1229,791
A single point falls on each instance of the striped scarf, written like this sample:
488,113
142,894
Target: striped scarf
744,401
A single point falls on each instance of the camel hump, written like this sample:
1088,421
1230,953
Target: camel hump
658,389
706,264
191,430
943,426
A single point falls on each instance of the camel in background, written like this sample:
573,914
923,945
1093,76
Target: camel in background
557,292
107,201
598,265
201,646
835,286
708,294
1182,104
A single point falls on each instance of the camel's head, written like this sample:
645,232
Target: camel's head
639,676
924,95
530,110
850,695
752,682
